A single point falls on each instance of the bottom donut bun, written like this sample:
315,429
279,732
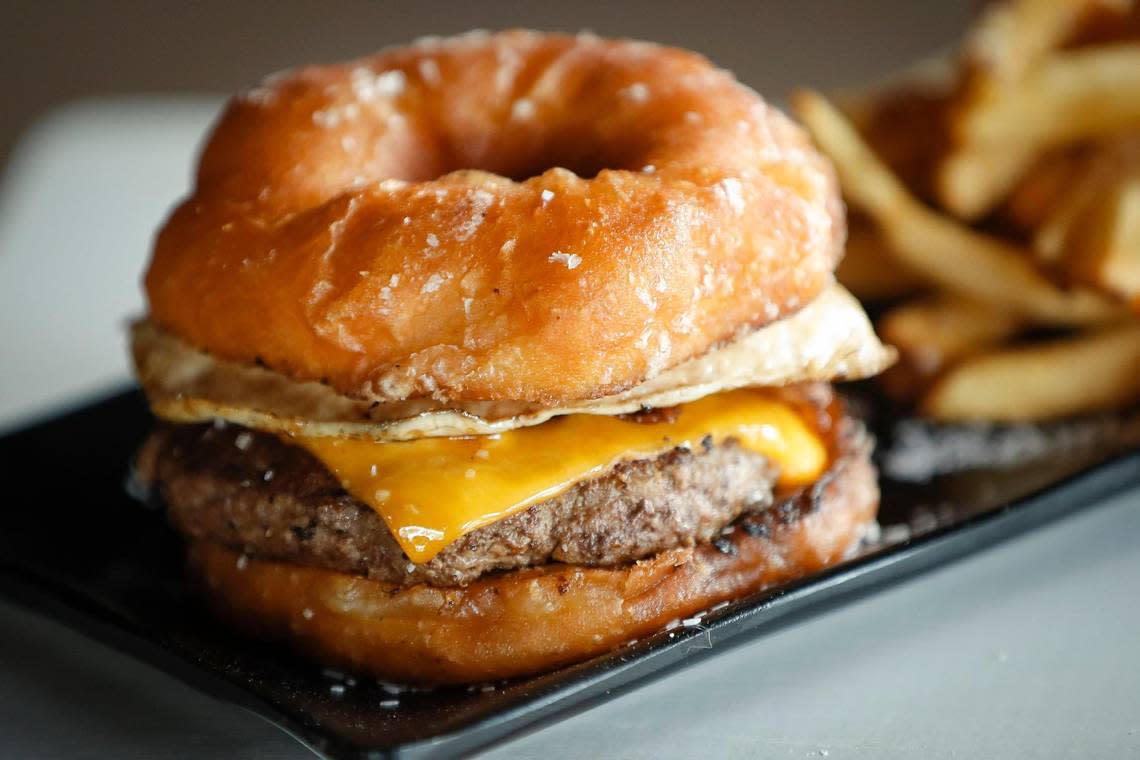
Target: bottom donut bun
537,619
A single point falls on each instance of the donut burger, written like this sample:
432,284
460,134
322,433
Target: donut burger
486,355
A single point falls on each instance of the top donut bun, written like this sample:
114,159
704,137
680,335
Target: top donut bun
513,216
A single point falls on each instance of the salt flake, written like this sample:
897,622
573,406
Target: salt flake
369,86
638,92
731,189
326,119
571,260
429,71
522,109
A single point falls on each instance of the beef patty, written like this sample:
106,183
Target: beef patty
254,492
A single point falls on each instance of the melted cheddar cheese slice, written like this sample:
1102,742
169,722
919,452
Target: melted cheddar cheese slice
433,491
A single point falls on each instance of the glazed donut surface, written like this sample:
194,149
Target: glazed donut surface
510,216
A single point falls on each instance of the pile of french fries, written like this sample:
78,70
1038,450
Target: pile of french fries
995,206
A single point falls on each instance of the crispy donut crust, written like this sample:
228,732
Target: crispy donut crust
528,621
359,224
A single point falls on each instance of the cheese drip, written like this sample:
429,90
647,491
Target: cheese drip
433,491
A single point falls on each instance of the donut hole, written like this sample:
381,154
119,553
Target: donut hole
520,157
586,167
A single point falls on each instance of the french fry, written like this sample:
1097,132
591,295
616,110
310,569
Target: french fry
1045,187
1040,122
1089,373
1110,164
1103,247
1002,51
1051,238
868,270
1012,37
1067,97
1006,47
939,248
933,333
1070,96
971,181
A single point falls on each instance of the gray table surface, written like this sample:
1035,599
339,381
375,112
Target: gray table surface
1027,650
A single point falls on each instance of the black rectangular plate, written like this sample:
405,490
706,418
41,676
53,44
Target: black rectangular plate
94,558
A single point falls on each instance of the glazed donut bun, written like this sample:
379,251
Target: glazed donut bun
485,355
516,216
